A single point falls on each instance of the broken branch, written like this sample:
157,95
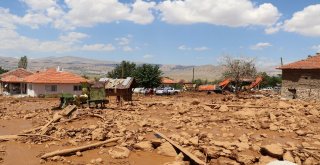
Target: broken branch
186,152
73,150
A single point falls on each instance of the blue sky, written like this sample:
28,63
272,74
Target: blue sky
189,32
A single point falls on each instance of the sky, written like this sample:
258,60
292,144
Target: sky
186,32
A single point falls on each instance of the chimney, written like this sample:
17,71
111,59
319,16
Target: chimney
59,69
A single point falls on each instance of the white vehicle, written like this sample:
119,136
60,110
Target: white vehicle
167,91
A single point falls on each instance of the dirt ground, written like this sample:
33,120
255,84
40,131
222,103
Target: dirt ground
217,129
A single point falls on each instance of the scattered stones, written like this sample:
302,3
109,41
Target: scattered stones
98,134
166,149
119,152
273,150
144,145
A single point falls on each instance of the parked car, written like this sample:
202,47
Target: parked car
167,91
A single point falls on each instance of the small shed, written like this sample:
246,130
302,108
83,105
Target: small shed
13,82
121,88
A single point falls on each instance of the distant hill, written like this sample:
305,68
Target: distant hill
85,66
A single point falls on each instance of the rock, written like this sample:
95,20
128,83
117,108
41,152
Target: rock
99,160
265,160
310,161
144,145
223,108
166,149
98,134
284,105
277,162
143,123
119,152
314,112
226,161
301,132
79,153
288,156
246,158
29,116
56,158
265,125
273,150
194,140
195,102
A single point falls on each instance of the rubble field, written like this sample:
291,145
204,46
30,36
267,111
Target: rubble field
216,129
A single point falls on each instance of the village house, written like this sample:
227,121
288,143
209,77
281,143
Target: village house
13,82
301,79
54,81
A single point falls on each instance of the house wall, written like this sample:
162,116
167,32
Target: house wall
305,82
38,89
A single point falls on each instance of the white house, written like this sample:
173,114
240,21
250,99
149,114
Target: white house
54,81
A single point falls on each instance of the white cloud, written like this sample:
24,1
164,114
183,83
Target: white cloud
73,37
34,20
316,48
40,4
7,20
70,42
273,29
148,56
260,46
202,48
98,47
127,49
234,13
186,48
183,47
124,40
86,13
305,22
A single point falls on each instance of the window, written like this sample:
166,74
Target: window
77,88
51,88
30,87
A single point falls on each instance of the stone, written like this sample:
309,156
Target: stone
56,158
166,149
98,134
265,125
119,152
99,160
310,161
301,132
273,150
246,158
79,153
265,160
226,161
195,102
194,140
144,145
223,108
288,156
314,112
29,116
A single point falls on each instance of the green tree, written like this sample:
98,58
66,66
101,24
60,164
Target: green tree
239,68
3,70
148,76
269,81
123,70
23,62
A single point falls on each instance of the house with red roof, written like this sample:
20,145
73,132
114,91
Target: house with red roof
13,82
54,81
301,79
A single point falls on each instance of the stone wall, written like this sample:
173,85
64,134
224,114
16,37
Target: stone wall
305,83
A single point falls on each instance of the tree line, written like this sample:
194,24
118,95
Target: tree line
146,75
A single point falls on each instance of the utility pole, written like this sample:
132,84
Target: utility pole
192,74
122,71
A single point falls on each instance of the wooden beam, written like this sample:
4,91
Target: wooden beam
73,150
240,106
183,150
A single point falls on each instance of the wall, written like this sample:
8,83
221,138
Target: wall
305,82
38,89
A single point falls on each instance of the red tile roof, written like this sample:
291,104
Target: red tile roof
15,76
52,76
166,80
312,62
